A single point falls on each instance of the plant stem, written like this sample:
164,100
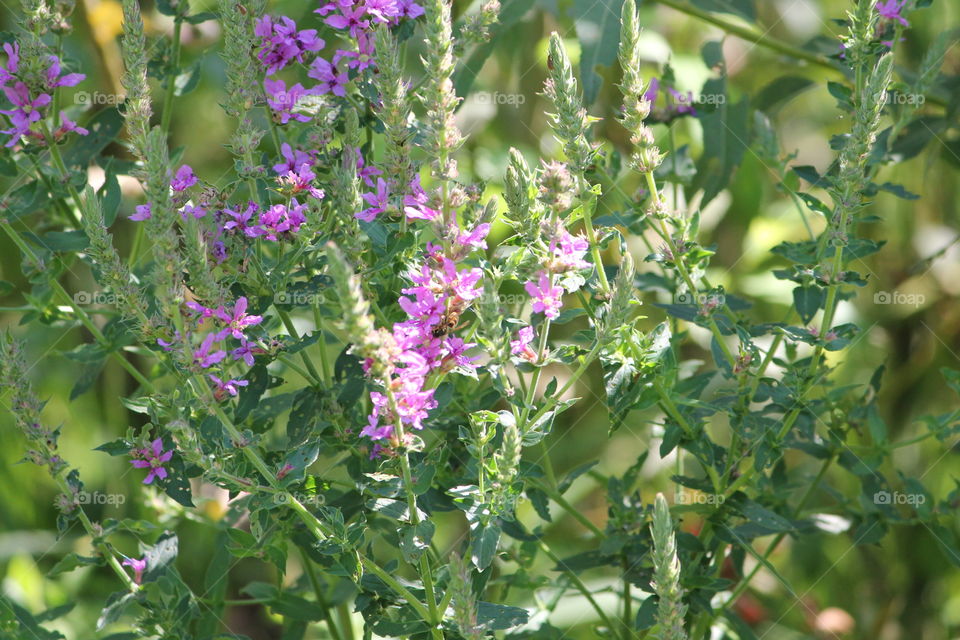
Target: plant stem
318,591
171,77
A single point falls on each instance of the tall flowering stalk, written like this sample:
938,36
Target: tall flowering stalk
666,574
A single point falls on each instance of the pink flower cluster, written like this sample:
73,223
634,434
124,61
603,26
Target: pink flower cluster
565,253
210,346
422,344
30,97
281,44
152,458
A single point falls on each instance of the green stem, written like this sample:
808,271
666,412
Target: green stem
171,77
587,208
582,588
318,591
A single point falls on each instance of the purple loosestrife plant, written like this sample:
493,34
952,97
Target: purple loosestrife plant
347,360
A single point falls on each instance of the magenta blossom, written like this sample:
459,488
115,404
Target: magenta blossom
205,355
546,296
239,320
142,212
330,80
54,79
183,179
222,388
138,566
378,202
294,160
67,125
283,100
152,458
521,345
282,42
890,10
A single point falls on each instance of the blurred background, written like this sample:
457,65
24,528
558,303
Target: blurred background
903,584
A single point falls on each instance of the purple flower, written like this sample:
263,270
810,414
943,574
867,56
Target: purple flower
382,10
192,210
378,202
26,113
280,219
521,345
364,171
350,18
283,43
204,357
300,182
239,320
330,80
415,203
546,297
890,10
221,389
67,125
410,9
240,221
152,459
54,79
295,159
138,566
283,100
476,237
184,179
13,61
568,251
245,352
142,213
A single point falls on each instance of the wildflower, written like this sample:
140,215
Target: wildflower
55,80
350,18
476,237
567,251
295,182
192,210
238,321
546,297
240,221
415,203
183,179
67,125
282,42
364,171
521,345
203,355
330,80
245,352
13,61
152,458
890,10
283,100
27,111
142,212
295,159
138,566
222,388
280,219
410,9
378,202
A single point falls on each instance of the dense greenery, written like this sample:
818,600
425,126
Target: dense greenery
519,320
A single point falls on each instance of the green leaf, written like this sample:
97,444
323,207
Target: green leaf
598,29
483,544
73,561
104,128
725,139
510,14
187,81
808,300
498,617
780,91
742,8
415,539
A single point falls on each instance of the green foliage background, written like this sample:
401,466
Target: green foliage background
907,584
